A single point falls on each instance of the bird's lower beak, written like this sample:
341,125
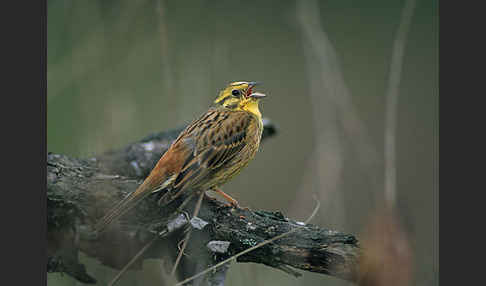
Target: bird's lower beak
257,95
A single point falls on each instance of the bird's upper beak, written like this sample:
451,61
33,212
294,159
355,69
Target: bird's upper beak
255,95
254,83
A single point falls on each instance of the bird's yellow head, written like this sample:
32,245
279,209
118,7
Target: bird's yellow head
240,96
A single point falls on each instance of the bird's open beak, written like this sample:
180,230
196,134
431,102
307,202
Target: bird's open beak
255,95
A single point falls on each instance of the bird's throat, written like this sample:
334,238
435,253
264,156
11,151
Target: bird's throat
252,107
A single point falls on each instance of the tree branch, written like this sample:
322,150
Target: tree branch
80,191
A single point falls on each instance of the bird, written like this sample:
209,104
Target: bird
209,152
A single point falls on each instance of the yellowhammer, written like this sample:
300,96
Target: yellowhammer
208,153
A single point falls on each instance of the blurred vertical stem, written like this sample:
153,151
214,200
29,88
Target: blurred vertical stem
324,67
326,163
392,101
167,72
164,45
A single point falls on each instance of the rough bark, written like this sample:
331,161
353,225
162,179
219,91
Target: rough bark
80,191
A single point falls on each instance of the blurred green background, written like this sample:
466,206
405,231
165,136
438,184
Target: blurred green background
119,70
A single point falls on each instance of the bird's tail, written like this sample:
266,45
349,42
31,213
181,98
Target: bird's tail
123,206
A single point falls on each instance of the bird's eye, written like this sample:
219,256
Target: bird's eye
235,92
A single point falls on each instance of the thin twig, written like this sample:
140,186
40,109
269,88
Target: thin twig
188,235
392,101
161,234
119,275
253,248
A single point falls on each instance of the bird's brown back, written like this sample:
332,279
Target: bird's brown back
209,152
